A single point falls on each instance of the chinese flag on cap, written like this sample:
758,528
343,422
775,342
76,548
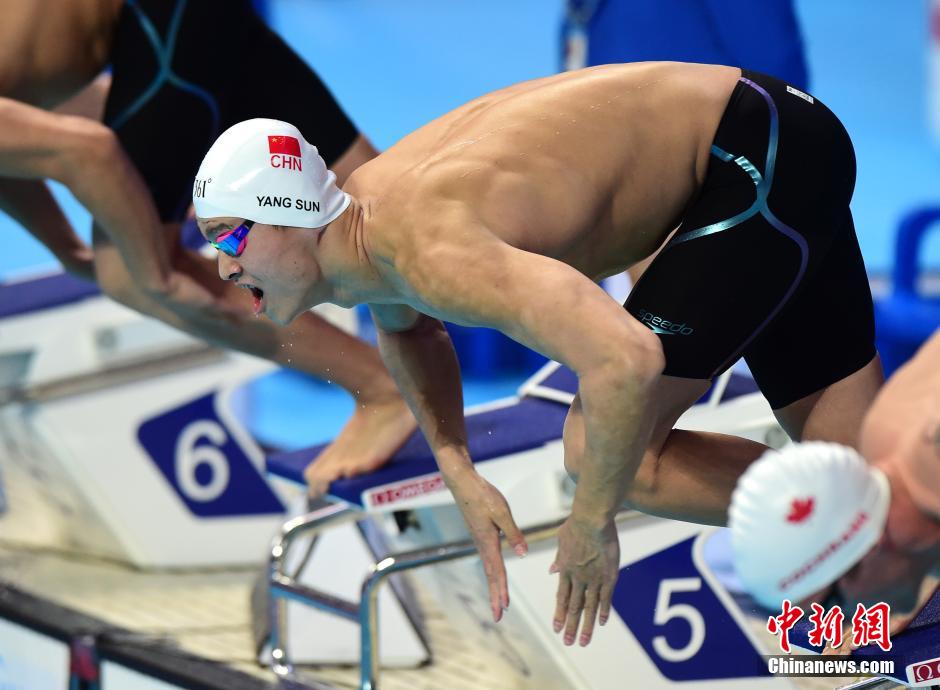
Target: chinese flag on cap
281,143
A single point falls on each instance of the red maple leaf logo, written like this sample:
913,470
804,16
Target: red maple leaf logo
800,509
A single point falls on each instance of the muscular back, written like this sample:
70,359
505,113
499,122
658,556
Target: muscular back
50,49
593,168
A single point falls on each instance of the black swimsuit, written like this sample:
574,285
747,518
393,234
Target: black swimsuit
766,264
183,71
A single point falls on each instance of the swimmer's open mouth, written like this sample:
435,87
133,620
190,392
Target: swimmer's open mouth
257,294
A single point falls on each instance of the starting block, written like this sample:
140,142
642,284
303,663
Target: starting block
673,620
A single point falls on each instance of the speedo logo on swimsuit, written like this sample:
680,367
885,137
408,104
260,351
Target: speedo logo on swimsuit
796,92
287,202
659,325
285,152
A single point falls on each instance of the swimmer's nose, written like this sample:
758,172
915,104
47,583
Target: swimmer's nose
228,268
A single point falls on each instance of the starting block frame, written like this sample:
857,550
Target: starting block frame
365,611
552,388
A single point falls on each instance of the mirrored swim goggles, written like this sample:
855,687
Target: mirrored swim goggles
233,242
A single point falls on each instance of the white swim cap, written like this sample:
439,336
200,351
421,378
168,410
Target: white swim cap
264,170
801,517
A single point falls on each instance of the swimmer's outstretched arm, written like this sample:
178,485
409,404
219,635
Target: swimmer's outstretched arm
86,157
419,354
476,279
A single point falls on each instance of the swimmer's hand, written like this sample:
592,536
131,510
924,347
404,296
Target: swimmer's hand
188,297
487,513
588,562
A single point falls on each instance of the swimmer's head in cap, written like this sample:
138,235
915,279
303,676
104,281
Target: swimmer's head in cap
265,171
801,517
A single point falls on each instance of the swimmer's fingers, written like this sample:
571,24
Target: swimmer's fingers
562,596
587,562
487,513
592,599
495,570
607,595
576,603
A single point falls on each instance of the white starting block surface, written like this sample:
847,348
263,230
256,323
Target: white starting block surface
120,436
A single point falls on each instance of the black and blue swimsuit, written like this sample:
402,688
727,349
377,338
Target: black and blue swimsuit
766,264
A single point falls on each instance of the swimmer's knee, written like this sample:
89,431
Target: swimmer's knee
646,354
573,476
573,441
641,492
572,462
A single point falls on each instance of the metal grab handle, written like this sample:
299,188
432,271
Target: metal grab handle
283,587
409,560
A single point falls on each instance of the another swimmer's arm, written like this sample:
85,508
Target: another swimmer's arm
31,204
86,157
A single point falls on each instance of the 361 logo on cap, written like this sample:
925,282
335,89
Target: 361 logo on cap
199,188
285,152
